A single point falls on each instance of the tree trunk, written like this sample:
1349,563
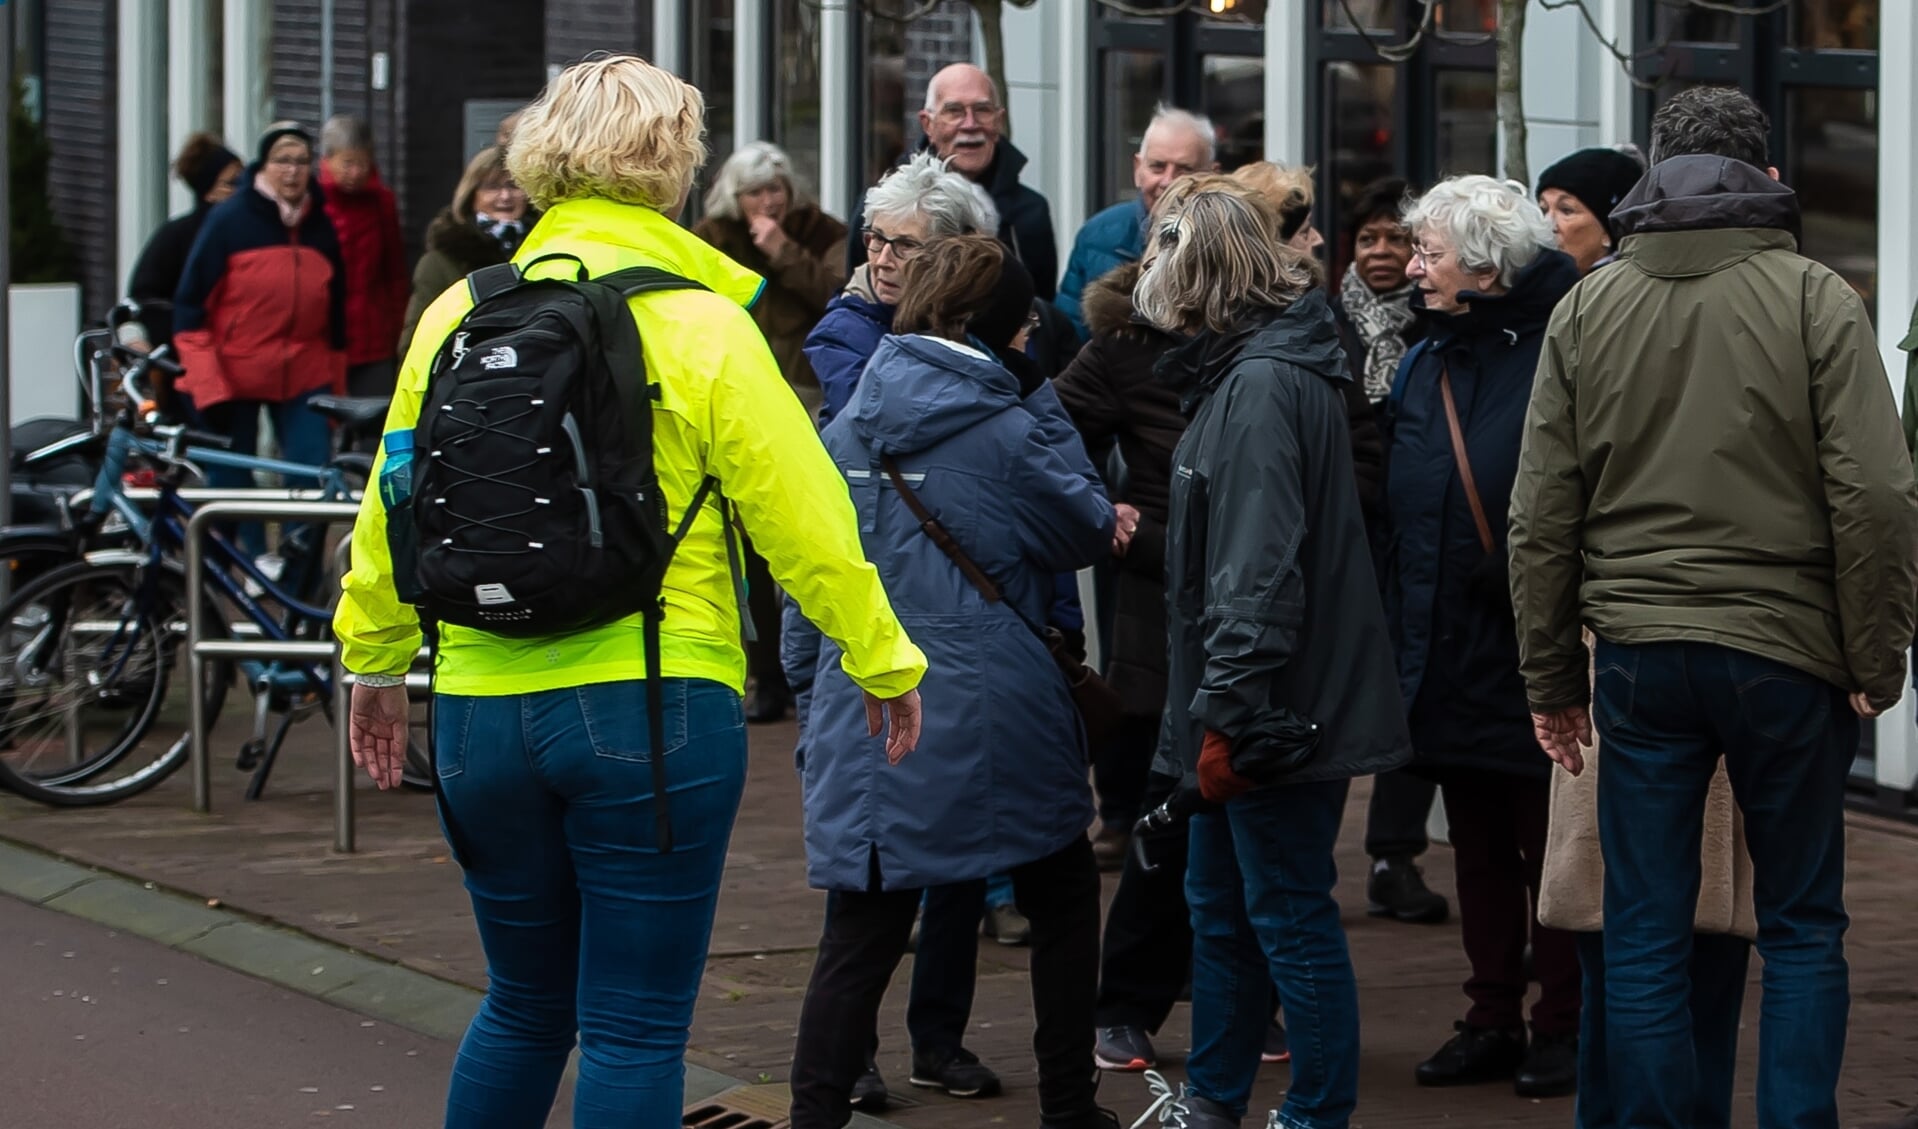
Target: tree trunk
992,34
1511,94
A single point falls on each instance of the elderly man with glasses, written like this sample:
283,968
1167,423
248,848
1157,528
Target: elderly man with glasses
964,122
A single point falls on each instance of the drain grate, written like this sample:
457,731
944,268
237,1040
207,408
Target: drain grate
742,1107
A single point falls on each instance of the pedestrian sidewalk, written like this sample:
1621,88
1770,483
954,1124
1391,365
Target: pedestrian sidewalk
399,901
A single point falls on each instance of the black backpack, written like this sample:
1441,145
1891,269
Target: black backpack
535,508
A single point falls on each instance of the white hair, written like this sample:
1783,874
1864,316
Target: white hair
344,133
932,86
1492,225
755,164
951,204
1198,125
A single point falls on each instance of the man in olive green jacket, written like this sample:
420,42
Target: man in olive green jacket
1713,481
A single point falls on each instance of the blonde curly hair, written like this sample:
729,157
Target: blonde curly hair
615,128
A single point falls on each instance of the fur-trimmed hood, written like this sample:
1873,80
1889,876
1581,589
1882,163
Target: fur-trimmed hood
1108,305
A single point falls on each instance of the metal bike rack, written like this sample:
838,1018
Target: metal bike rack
200,649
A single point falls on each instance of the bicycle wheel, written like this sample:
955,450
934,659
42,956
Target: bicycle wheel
88,656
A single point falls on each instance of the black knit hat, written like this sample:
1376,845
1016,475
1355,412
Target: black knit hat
999,323
1599,178
278,130
206,172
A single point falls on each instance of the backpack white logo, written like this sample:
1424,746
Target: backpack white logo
500,357
488,594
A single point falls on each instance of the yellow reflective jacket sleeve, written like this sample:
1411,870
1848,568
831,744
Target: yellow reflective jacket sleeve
793,501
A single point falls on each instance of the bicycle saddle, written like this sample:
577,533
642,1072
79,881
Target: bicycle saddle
356,413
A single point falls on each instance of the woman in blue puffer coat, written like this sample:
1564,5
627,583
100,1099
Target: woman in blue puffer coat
1000,782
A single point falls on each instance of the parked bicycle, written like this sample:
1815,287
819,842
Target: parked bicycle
92,692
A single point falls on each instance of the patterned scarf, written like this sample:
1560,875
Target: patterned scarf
509,234
1381,320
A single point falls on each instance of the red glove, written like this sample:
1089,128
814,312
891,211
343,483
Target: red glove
1217,782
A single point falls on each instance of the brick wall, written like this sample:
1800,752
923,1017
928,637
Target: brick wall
934,42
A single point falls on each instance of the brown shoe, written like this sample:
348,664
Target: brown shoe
1110,845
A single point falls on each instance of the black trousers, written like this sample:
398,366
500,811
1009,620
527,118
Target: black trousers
865,936
1395,819
945,972
764,604
1120,770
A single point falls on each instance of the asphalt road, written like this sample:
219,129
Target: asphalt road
103,1031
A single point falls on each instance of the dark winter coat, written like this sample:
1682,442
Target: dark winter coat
1025,219
800,281
367,223
260,313
156,274
454,249
999,777
1109,240
1269,586
843,341
1449,601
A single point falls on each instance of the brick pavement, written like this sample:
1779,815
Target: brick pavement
400,898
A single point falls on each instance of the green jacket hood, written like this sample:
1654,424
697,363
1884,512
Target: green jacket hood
1698,215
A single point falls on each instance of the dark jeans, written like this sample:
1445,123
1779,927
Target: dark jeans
1718,966
1666,713
1119,771
304,437
865,936
1395,819
1260,882
587,927
1498,826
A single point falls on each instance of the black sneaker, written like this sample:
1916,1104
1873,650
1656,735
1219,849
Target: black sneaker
869,1093
1474,1055
1397,890
1550,1069
1097,1119
1124,1049
958,1072
1181,1109
1277,1047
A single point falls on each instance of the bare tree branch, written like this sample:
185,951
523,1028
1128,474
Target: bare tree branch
1125,9
1391,52
1628,61
1728,6
926,8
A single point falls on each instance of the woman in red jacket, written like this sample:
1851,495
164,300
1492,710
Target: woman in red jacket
258,319
367,220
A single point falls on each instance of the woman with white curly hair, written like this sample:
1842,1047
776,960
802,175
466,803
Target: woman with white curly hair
1488,275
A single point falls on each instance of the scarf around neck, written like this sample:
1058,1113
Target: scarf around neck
1382,320
292,215
509,234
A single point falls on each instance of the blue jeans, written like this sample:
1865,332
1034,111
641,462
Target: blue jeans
304,437
548,802
1718,966
1259,881
1666,713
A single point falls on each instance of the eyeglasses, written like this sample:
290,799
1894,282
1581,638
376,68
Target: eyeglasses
291,162
954,113
903,246
1427,257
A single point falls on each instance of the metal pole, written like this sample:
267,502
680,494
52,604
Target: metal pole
197,761
326,61
343,839
6,276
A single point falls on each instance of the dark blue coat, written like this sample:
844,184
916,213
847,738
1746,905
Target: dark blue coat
1448,603
1108,241
999,777
843,341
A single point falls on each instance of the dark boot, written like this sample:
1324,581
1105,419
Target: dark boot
1550,1069
1397,890
1474,1055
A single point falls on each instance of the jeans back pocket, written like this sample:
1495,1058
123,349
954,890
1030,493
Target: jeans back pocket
614,715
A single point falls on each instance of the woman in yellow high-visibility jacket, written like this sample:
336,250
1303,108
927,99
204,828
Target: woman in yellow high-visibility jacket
542,748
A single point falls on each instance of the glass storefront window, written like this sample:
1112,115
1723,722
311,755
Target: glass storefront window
1373,15
1358,126
1233,96
796,94
1475,17
1467,123
886,132
1835,25
712,72
1695,25
1233,11
1131,84
1832,159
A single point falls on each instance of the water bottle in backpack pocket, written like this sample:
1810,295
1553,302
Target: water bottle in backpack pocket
396,496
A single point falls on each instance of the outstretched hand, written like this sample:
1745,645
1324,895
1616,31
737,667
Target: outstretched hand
899,718
1563,734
